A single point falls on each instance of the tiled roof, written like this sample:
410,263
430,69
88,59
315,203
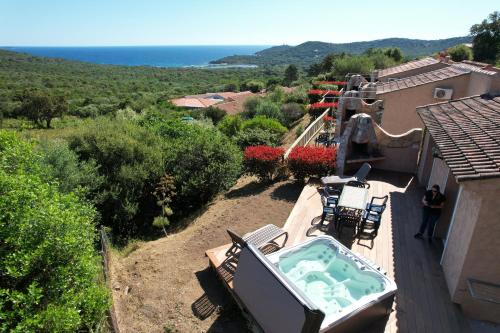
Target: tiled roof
420,79
473,68
467,133
234,106
407,66
194,102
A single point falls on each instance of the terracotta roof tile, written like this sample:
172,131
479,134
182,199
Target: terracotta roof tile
467,133
424,78
407,66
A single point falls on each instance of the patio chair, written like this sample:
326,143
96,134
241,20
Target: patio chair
347,219
373,216
322,139
377,207
329,201
355,183
331,193
360,175
260,238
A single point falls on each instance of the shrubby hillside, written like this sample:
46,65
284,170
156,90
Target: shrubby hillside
308,53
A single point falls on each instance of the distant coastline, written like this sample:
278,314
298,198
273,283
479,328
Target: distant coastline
155,56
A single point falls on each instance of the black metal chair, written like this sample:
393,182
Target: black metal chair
373,216
322,139
356,183
329,201
347,218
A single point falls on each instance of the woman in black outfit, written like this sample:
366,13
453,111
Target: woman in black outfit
433,202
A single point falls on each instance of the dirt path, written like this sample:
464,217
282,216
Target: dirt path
159,286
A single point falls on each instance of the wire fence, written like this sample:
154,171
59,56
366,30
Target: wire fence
104,240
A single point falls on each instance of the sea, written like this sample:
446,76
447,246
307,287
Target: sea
156,56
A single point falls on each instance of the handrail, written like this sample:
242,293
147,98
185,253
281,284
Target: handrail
309,133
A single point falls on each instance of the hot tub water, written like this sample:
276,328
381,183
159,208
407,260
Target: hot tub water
332,278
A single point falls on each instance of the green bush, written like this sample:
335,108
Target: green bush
270,110
215,114
250,106
266,124
292,112
460,53
298,96
230,125
131,161
49,268
355,64
381,61
62,165
203,163
253,86
276,96
257,137
87,111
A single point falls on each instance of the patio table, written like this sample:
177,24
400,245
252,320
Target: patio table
353,197
352,203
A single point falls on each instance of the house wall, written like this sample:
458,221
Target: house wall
399,114
495,84
479,84
473,246
450,190
400,151
425,161
412,72
451,193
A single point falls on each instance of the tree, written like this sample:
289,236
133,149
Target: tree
460,52
314,69
50,271
215,114
353,64
40,107
130,161
230,125
395,53
291,74
327,63
486,42
250,106
269,110
253,86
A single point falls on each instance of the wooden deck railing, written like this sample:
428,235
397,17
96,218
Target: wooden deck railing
309,133
112,320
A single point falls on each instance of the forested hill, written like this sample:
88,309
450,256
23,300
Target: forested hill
310,52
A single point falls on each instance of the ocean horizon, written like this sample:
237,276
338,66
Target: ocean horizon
155,56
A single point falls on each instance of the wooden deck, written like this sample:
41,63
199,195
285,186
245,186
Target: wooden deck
422,301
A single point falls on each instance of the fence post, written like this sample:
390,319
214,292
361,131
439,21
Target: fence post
104,240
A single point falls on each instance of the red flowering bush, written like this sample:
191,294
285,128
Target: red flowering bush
324,105
323,92
263,161
311,161
328,121
338,83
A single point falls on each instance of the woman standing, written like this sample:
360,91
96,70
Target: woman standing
433,202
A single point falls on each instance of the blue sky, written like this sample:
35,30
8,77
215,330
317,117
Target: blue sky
224,22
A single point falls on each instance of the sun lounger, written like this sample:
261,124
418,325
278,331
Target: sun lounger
360,175
258,238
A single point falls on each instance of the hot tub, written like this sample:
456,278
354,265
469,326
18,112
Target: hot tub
337,290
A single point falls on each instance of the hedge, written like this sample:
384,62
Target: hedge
311,161
263,161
